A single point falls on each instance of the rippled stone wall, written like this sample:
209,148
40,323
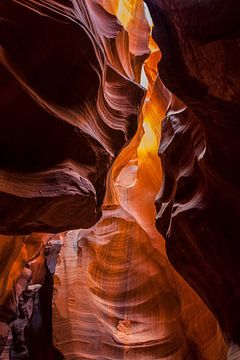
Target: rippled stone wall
118,180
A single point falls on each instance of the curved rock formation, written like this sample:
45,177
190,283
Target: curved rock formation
26,296
66,111
198,207
131,304
116,295
72,97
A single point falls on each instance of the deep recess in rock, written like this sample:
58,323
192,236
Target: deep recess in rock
119,181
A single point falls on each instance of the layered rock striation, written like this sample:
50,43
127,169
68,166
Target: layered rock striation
67,109
76,122
198,205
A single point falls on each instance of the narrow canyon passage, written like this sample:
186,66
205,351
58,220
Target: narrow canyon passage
140,308
118,219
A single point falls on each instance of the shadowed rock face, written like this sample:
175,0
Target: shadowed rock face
70,97
65,113
26,296
116,295
198,207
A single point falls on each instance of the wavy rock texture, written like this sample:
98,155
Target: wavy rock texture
67,108
198,206
26,296
116,294
116,297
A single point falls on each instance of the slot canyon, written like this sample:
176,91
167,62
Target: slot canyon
119,179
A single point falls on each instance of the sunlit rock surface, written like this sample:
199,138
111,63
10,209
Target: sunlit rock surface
116,294
198,206
117,297
82,138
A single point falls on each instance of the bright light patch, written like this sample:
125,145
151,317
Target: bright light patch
148,16
144,80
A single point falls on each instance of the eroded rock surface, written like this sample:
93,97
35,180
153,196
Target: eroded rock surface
67,108
198,207
26,300
70,99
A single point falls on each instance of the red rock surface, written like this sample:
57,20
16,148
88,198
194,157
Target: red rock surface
65,113
81,138
198,206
